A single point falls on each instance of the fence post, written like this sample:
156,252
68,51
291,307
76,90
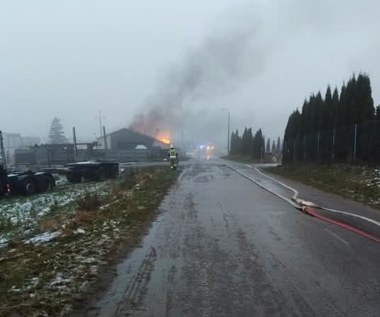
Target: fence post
304,147
318,146
356,130
333,146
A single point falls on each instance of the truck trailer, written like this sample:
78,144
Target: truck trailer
91,171
25,183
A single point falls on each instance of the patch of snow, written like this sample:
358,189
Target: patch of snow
61,279
3,242
79,231
14,289
44,237
32,283
24,212
90,260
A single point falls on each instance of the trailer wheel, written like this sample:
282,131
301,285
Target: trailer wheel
101,174
114,172
48,184
29,187
74,177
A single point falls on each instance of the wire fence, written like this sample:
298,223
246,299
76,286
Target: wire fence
355,143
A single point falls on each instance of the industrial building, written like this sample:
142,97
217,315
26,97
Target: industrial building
128,145
127,140
123,145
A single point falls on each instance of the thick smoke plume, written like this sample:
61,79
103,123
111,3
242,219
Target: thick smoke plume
219,64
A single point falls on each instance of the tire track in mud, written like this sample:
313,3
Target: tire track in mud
181,214
136,288
255,284
268,299
201,257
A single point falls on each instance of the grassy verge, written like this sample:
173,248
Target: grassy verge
359,183
49,278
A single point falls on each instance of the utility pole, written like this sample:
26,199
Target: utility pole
99,117
75,144
2,152
105,139
229,136
100,122
355,136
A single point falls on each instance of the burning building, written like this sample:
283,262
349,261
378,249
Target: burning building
126,139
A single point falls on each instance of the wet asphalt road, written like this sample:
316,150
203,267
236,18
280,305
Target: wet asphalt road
223,246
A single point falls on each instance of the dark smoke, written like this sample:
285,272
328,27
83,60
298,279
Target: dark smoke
216,67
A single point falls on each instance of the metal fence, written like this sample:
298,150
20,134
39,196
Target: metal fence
358,142
45,157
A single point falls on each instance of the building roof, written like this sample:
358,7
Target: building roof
138,137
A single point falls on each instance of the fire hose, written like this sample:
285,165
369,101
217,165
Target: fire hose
309,208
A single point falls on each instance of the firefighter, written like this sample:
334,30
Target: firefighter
173,156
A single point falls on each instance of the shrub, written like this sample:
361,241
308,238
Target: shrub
89,202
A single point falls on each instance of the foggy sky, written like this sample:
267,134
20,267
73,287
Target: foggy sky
258,59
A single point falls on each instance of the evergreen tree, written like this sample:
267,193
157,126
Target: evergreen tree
258,145
363,99
335,106
327,111
325,128
278,146
291,137
365,112
268,146
56,133
235,143
247,142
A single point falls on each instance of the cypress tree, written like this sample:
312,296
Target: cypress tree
278,146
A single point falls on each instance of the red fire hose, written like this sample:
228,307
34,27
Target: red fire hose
313,213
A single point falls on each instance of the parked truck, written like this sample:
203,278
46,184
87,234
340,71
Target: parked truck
26,183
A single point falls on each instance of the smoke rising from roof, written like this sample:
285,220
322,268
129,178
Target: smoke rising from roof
217,66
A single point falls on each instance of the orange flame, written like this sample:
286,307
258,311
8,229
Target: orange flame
164,140
163,137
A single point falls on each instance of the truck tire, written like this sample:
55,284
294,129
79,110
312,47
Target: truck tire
48,184
101,174
29,186
114,172
74,177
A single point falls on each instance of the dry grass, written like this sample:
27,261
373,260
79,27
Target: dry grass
105,230
50,224
359,183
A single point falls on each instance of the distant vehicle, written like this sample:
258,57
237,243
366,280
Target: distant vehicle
26,183
91,170
206,151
